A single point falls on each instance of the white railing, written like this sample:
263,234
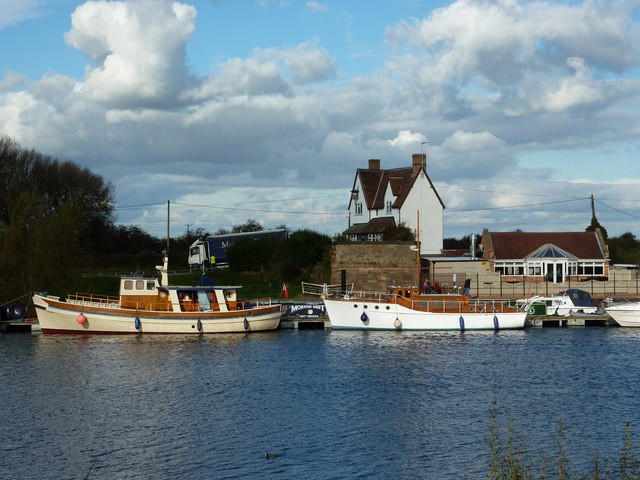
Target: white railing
324,290
437,303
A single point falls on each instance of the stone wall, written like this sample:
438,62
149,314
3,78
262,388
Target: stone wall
374,266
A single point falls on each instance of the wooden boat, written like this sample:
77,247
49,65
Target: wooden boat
404,308
151,305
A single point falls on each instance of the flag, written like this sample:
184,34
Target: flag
284,289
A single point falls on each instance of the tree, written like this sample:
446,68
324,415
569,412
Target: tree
249,226
51,212
399,233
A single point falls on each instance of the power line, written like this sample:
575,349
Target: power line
516,206
258,209
616,210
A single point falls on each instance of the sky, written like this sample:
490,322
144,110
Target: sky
263,109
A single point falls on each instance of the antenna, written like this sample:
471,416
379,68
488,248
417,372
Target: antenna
422,144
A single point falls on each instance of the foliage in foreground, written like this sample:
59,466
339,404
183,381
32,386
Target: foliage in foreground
510,460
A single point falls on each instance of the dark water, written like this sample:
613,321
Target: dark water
329,404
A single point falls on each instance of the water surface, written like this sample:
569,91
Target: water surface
327,404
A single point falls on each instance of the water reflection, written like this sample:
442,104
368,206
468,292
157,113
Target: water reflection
329,404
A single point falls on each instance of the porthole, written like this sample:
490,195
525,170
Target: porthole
355,306
366,306
377,307
388,307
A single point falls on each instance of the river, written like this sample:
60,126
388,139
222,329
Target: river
323,404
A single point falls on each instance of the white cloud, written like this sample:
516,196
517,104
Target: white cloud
310,64
577,90
16,11
405,137
475,48
317,7
138,49
11,80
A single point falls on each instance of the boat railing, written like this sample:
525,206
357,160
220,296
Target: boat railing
325,290
437,303
93,299
256,302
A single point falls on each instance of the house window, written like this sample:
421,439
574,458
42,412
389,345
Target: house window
534,269
359,208
388,209
510,268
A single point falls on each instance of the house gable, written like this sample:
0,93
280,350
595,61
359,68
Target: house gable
398,194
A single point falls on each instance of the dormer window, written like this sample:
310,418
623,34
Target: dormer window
388,206
358,208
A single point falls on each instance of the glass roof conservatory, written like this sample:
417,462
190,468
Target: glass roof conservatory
551,262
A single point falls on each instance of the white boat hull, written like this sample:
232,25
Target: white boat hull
359,315
625,314
55,317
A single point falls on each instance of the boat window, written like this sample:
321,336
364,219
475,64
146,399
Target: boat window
151,284
128,284
139,284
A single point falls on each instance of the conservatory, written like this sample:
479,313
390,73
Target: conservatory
576,256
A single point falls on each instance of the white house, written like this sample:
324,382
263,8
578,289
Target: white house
387,198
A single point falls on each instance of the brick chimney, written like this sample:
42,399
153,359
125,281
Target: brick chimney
374,164
419,160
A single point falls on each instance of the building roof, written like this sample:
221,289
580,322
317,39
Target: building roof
518,245
375,181
377,225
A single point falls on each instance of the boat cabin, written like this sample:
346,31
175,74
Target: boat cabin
146,293
406,292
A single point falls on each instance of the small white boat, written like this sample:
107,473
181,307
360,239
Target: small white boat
565,303
151,305
404,308
625,314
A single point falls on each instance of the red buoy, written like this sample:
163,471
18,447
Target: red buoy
81,319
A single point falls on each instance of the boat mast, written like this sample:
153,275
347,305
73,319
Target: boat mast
418,252
164,268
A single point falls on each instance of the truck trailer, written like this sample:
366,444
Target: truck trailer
212,251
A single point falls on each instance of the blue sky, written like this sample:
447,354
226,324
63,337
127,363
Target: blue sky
264,109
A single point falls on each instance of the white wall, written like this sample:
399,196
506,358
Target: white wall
424,199
364,218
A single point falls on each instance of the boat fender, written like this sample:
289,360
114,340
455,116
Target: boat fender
495,322
137,323
246,324
397,323
364,317
199,325
81,319
461,323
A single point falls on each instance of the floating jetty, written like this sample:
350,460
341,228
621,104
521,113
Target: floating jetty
19,326
596,320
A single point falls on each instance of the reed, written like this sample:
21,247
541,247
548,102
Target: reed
510,460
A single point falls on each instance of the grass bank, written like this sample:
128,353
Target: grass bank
511,460
254,285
